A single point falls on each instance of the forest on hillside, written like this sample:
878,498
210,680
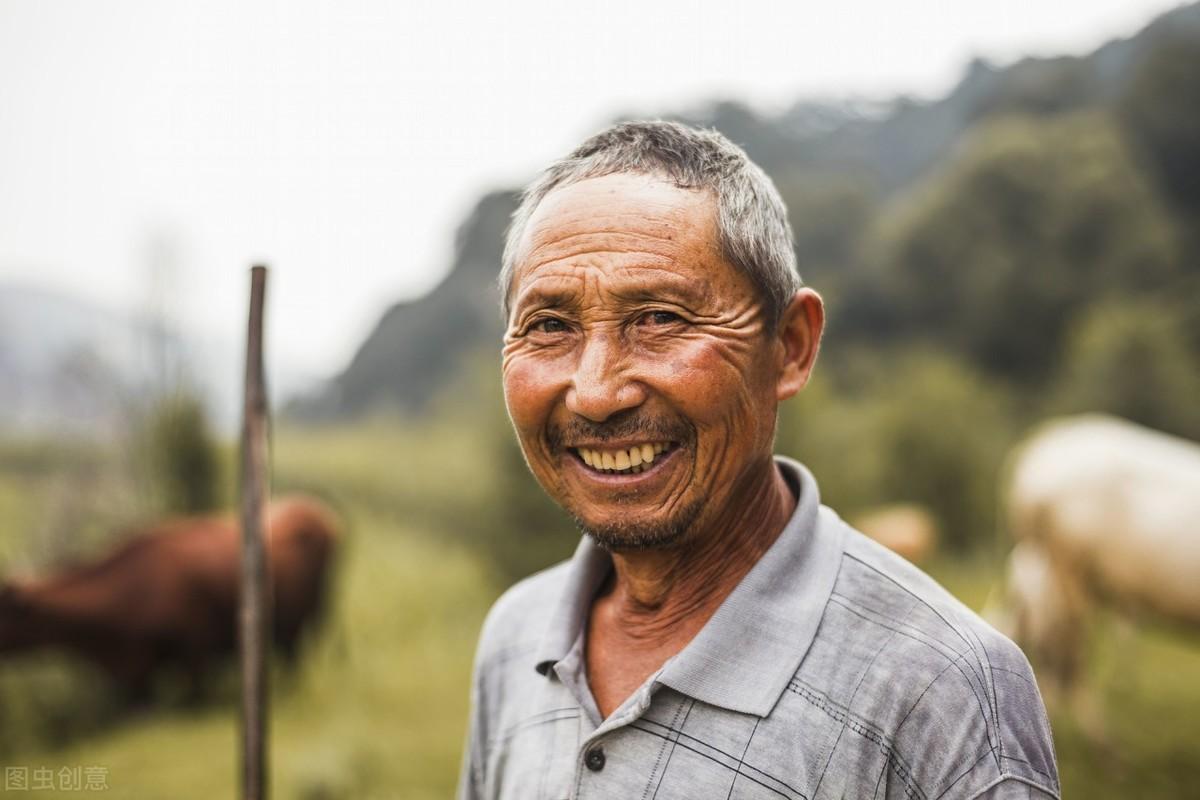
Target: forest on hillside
1023,248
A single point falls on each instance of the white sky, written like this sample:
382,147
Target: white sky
343,142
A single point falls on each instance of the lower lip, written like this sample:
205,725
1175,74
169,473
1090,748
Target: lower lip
625,478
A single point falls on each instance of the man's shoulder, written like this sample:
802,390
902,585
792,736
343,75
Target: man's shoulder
876,581
887,593
927,674
517,620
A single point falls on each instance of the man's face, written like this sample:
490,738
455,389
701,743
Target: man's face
637,367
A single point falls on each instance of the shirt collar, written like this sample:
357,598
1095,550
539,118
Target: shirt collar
745,655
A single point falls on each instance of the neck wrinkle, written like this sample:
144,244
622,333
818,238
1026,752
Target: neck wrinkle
671,593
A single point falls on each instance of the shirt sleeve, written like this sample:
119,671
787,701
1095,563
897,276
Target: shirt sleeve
983,730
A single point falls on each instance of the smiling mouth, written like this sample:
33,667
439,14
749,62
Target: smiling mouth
624,461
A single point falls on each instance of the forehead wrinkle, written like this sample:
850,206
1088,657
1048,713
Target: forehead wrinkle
598,242
664,221
568,284
674,285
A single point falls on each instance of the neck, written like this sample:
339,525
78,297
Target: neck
669,594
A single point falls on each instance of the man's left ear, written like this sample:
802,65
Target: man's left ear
799,337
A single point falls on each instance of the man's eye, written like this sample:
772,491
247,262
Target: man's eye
659,318
549,325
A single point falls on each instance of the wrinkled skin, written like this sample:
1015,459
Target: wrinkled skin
628,325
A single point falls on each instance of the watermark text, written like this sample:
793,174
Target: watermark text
78,778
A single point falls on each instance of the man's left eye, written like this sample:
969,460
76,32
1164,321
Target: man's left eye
659,318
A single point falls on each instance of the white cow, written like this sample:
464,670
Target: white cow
1103,511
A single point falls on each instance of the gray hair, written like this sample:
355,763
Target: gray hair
752,224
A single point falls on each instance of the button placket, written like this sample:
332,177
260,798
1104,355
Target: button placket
594,756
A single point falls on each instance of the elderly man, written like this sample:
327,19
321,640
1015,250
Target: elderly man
718,633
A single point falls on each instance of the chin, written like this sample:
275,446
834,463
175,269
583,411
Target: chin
627,535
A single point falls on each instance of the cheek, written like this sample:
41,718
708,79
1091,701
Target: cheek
530,387
712,381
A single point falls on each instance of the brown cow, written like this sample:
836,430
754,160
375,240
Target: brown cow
168,597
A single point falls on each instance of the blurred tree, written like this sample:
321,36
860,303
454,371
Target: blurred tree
829,212
905,426
1132,359
181,454
944,431
834,434
1030,223
1160,111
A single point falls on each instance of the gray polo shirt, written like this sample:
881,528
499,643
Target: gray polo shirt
835,669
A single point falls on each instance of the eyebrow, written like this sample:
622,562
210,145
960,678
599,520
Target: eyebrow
687,292
539,297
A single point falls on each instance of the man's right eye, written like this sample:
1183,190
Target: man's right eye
548,325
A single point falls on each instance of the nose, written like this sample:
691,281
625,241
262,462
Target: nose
601,385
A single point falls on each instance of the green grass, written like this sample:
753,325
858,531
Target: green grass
379,706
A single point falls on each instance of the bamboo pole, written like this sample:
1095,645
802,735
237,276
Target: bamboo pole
254,604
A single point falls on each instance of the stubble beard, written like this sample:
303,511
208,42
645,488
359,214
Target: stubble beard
629,535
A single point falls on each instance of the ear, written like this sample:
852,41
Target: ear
799,336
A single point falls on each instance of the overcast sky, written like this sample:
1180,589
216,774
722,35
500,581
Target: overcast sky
343,142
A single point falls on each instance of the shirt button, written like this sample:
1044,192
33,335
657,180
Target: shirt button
594,760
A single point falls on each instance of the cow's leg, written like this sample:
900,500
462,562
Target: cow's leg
196,692
196,651
131,666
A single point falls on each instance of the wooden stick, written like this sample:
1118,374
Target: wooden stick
255,596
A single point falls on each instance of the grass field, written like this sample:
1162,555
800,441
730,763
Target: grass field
378,708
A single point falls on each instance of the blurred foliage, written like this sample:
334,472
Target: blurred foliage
181,454
1132,359
911,427
1029,224
1162,116
829,213
61,499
